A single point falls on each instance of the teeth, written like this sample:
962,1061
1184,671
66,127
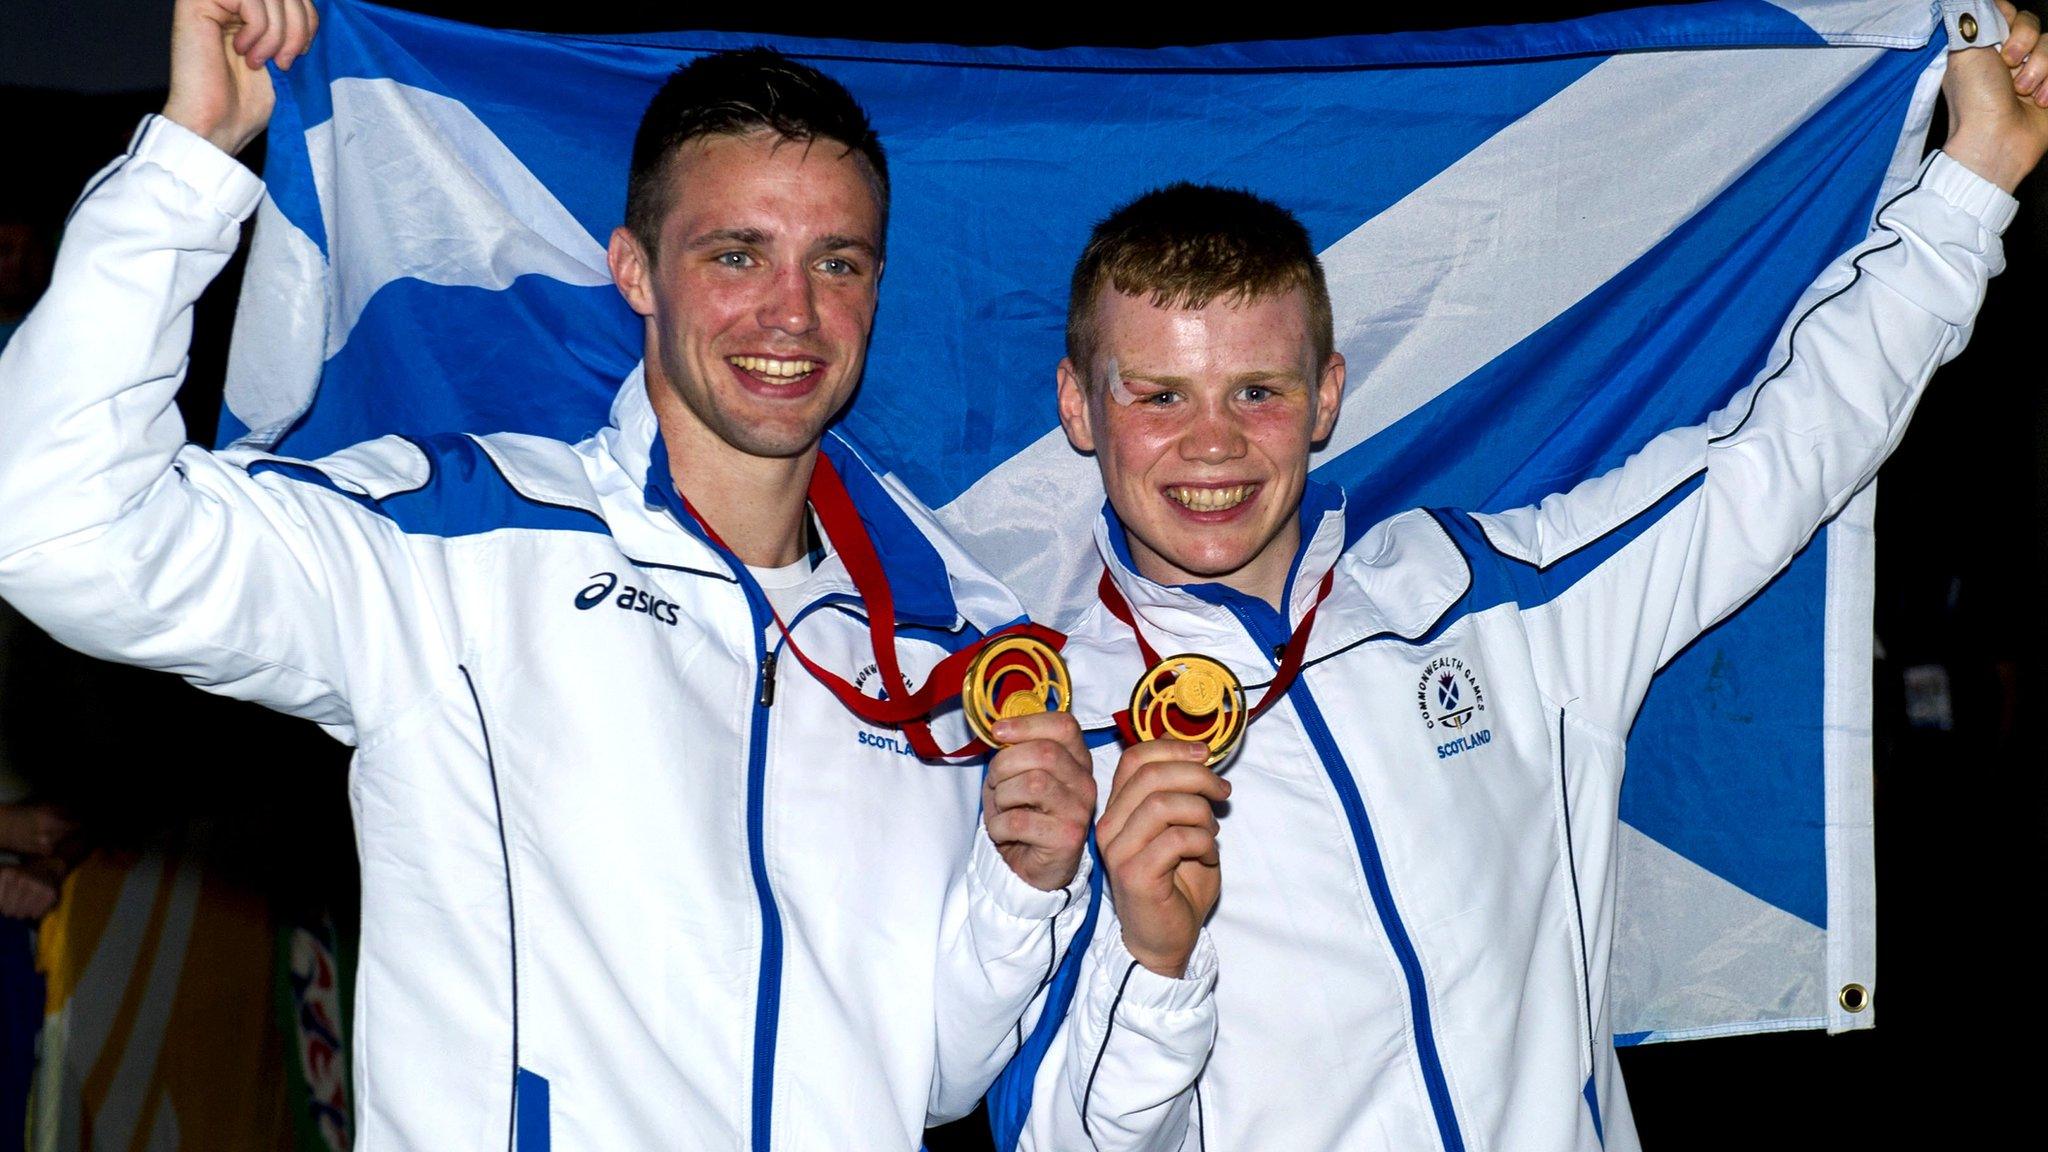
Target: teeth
1211,499
768,367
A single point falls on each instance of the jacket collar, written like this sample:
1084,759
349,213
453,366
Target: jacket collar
915,570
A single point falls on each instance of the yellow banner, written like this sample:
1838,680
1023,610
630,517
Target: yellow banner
159,1034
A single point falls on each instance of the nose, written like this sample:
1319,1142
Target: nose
791,304
1214,435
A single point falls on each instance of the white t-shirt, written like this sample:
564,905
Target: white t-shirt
784,586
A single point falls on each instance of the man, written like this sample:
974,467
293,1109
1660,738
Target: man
1411,947
629,879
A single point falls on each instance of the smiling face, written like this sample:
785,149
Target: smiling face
761,295
1204,446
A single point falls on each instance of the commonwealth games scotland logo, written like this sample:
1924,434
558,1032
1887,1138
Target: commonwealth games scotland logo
1449,695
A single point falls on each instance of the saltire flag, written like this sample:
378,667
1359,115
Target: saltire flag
1545,244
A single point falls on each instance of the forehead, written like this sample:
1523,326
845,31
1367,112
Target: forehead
1269,333
768,182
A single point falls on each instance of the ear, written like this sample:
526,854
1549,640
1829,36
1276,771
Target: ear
632,271
1329,397
1074,408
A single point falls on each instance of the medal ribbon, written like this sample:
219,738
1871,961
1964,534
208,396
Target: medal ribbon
1290,656
904,710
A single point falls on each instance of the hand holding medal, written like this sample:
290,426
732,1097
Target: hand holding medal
1158,841
1039,794
1158,833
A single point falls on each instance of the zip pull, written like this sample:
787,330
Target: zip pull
767,697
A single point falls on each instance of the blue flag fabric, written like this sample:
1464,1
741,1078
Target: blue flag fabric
1545,244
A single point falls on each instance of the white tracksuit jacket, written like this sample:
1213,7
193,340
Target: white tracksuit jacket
1411,947
626,883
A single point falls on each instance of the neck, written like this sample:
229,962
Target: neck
1264,577
756,504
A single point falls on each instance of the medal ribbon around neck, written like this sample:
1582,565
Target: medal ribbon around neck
1024,648
1224,734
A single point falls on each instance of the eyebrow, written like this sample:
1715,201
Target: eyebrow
717,236
755,237
1254,377
837,243
1265,374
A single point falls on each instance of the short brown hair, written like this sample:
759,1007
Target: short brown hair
737,93
1189,244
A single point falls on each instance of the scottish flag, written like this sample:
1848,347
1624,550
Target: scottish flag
1545,244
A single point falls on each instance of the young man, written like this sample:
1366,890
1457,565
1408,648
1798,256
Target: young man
629,880
1414,933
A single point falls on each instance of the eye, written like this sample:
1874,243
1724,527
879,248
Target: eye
840,267
1161,399
1257,393
734,259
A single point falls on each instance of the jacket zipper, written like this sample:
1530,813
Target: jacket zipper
768,989
1367,845
768,993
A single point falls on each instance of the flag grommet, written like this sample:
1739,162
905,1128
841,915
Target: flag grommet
1967,25
1853,998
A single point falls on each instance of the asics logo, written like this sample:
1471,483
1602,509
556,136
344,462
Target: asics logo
593,593
629,598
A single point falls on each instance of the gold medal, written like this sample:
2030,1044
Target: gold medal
1190,698
1011,677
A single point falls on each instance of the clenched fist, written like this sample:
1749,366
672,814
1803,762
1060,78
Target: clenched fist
1158,842
1998,103
1038,798
219,87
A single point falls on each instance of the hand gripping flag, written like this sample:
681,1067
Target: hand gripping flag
1545,245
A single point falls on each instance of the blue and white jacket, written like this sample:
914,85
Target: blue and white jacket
1411,947
627,882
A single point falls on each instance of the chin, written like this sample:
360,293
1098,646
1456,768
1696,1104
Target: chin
773,434
775,444
1208,567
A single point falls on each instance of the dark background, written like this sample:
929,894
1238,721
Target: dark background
1961,817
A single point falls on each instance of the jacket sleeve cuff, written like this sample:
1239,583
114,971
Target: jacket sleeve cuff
1991,206
1147,991
990,881
219,178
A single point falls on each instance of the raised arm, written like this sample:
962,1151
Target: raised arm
1632,566
115,535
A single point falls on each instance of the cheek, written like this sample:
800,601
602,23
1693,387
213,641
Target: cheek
1284,430
705,304
685,311
1132,439
848,311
